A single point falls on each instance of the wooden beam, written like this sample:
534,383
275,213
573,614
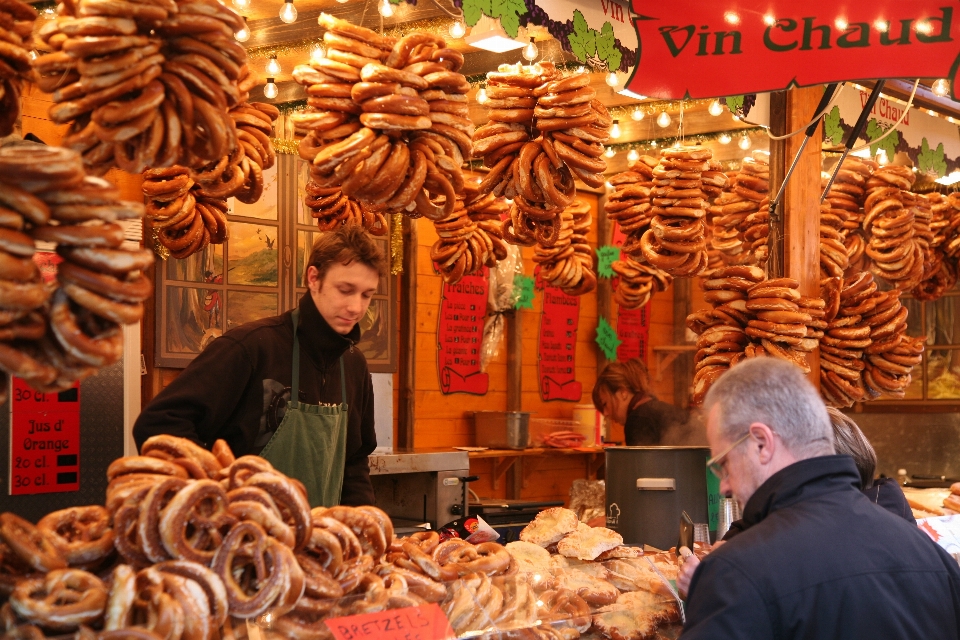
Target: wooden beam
406,415
514,360
604,285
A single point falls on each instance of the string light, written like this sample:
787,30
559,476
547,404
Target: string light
744,142
457,30
610,152
637,114
273,67
664,120
941,87
530,52
615,130
612,79
581,69
769,20
241,4
724,138
317,53
270,89
386,9
481,96
882,157
633,155
244,34
288,12
715,108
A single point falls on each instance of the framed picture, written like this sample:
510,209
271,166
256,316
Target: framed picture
257,273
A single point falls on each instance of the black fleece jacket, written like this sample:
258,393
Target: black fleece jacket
818,560
230,391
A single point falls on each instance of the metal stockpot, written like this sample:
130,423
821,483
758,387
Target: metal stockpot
649,487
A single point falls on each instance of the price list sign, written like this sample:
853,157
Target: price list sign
44,440
556,363
460,336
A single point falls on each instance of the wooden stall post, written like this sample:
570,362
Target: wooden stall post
604,285
408,337
791,110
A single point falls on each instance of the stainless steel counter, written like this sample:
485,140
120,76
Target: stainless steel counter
417,462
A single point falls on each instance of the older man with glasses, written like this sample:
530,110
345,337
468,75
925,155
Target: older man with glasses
817,559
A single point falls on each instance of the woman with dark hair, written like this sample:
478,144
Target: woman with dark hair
622,393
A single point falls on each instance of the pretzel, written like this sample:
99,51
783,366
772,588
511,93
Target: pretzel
199,511
62,600
82,535
30,544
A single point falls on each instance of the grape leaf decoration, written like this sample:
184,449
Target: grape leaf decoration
583,41
932,160
735,104
831,126
888,144
474,9
607,47
607,339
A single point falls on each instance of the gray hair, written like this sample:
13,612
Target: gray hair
777,394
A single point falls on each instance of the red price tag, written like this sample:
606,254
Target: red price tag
44,440
425,622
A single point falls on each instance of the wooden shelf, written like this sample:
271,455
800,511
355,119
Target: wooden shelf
666,354
506,459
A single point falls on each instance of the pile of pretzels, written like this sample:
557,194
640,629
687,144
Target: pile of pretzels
386,123
16,21
676,239
53,335
567,262
144,85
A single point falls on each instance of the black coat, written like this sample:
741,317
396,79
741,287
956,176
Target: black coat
230,390
647,422
818,560
887,493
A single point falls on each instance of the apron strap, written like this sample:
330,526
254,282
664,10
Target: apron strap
295,377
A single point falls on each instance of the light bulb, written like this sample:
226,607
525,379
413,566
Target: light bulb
273,67
882,157
288,12
481,96
317,53
941,87
615,129
609,152
270,89
664,120
581,69
637,114
715,108
530,52
633,155
457,30
386,9
244,34
724,138
653,144
744,142
241,4
612,79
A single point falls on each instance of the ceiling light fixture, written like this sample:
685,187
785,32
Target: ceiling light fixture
530,52
715,108
664,119
244,34
386,9
610,152
744,142
273,67
270,89
724,138
612,79
615,130
633,155
637,114
457,30
488,34
941,87
317,53
288,12
481,95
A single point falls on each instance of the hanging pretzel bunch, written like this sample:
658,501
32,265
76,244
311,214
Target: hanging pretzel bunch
714,180
16,20
469,239
254,123
675,241
637,282
629,203
144,85
387,124
753,187
567,263
889,226
944,220
47,196
841,215
728,212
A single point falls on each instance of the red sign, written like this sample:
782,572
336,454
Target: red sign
619,237
557,362
44,440
425,622
633,330
708,49
462,309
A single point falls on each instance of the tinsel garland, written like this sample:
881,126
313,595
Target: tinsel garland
162,252
285,146
660,143
396,243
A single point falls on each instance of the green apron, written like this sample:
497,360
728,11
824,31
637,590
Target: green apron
311,442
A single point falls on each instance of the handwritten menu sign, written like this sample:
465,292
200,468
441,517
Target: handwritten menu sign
44,440
633,330
556,364
462,309
425,622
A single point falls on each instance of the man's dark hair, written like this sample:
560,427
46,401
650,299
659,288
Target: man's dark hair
346,245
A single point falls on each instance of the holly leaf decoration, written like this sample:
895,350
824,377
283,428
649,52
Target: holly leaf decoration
523,284
583,40
932,160
474,9
606,256
607,47
607,339
831,126
888,144
509,12
735,104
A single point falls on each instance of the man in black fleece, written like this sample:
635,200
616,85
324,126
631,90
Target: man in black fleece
237,387
816,558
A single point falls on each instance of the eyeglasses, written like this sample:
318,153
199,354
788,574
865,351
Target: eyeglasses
715,464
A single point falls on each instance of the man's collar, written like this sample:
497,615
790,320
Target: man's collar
319,337
799,481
